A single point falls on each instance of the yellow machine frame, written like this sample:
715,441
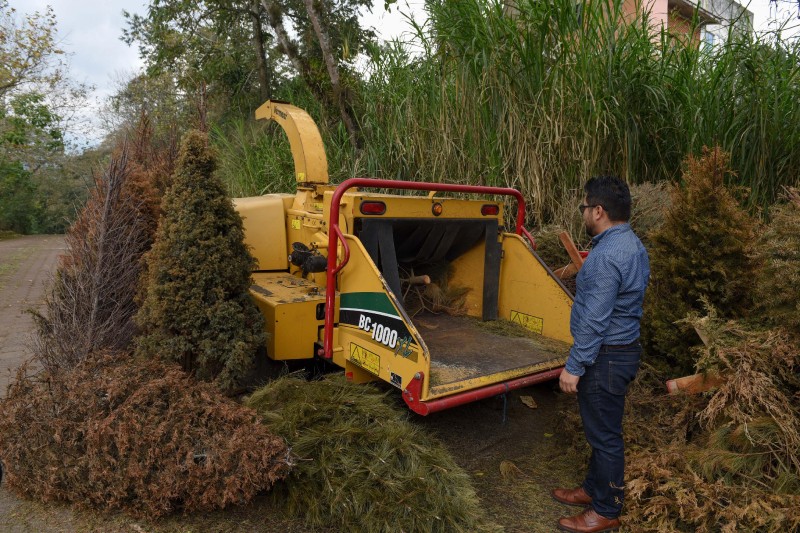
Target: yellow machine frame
323,295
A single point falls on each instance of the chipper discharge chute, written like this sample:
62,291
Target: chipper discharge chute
428,293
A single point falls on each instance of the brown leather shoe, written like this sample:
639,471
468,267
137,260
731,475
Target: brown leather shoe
571,496
588,522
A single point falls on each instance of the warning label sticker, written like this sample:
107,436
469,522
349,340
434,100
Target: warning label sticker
369,361
533,323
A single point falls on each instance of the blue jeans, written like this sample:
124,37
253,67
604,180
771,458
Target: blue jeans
601,399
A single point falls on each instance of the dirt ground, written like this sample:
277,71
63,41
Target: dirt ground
514,453
25,264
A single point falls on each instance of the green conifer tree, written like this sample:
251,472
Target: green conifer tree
197,310
703,249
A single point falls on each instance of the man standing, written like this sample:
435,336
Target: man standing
605,353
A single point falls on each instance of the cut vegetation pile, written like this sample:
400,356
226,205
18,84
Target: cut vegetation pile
361,465
728,459
778,290
437,296
143,437
724,304
753,417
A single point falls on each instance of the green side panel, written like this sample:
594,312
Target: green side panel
368,301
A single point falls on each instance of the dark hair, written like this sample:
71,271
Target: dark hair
612,193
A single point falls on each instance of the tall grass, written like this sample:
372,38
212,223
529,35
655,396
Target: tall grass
253,158
546,99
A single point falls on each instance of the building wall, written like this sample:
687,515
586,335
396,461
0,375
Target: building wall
679,26
659,12
733,17
661,16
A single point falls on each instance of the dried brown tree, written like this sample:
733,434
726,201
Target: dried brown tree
90,305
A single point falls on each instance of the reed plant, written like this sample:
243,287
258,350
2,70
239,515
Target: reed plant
542,100
253,159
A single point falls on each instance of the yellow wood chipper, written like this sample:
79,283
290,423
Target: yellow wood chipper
338,266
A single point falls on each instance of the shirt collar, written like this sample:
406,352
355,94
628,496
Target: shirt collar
613,229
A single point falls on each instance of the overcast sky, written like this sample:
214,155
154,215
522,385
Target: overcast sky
90,31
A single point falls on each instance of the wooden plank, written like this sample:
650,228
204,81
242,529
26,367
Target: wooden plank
695,383
572,250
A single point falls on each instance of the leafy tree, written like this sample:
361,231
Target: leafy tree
219,44
30,141
36,96
154,112
197,310
30,132
28,51
34,70
17,198
228,47
704,250
330,38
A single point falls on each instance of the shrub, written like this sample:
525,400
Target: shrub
778,287
197,310
140,436
702,250
649,204
361,466
752,417
549,247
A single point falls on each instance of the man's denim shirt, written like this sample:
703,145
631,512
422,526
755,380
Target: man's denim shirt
609,296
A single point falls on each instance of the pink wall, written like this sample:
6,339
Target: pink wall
659,12
660,16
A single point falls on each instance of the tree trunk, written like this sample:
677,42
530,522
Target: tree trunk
275,18
339,93
264,74
290,48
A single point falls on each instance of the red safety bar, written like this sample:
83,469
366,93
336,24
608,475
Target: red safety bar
413,392
335,234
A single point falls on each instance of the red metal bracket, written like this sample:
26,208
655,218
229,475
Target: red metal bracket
335,233
527,234
413,392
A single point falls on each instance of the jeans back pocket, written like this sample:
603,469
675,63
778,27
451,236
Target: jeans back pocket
620,375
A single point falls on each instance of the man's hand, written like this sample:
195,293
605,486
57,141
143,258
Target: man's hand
568,382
